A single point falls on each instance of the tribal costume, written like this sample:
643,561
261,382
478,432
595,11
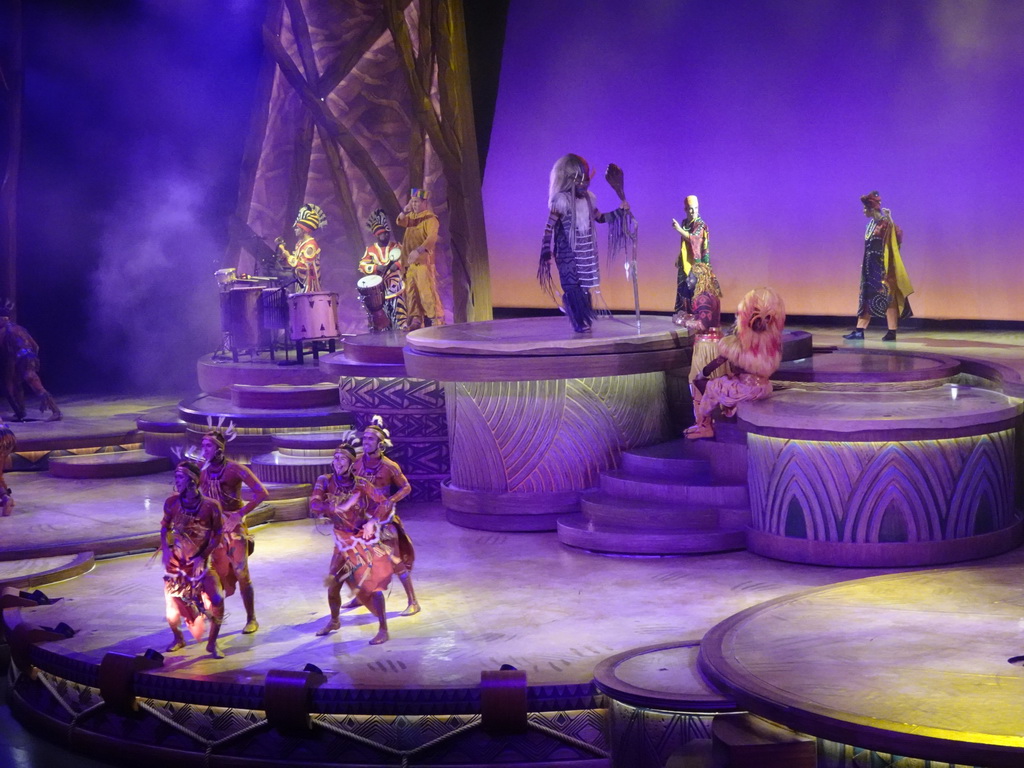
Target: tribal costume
305,259
191,587
21,364
569,239
361,563
231,558
693,249
705,321
385,474
384,259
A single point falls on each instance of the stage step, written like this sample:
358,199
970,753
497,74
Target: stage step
674,459
275,467
285,396
112,464
582,531
290,500
163,432
321,444
689,492
609,509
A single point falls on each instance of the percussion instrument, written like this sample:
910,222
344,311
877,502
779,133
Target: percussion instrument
240,316
313,316
274,306
225,277
371,293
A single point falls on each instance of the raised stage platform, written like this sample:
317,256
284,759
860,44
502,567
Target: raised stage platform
608,644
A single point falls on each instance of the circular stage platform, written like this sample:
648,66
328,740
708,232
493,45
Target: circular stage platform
913,664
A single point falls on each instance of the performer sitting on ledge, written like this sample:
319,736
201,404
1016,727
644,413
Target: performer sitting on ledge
189,533
222,481
884,283
704,322
21,367
360,560
693,249
569,239
385,474
754,354
305,259
422,300
384,259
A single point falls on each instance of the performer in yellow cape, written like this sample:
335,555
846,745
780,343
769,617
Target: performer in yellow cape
884,283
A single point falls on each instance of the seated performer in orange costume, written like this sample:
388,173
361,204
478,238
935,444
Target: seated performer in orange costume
189,533
360,558
754,354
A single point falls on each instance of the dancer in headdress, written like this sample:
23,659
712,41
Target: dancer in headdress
422,301
189,533
305,259
693,249
387,477
222,480
884,283
704,321
356,510
570,241
384,259
753,353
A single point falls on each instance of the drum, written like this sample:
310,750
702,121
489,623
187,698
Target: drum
313,316
371,293
240,316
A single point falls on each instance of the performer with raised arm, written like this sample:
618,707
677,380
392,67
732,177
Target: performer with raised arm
693,249
387,477
422,301
222,480
189,534
570,241
383,259
305,259
356,510
884,283
753,353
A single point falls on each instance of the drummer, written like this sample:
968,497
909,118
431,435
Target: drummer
305,259
384,259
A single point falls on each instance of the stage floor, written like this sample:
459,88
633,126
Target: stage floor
488,599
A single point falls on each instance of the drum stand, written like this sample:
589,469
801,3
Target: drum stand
314,348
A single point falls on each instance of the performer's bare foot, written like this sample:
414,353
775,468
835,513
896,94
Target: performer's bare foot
214,650
331,626
380,637
250,626
412,609
177,645
353,603
699,432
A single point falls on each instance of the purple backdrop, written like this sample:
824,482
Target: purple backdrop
779,115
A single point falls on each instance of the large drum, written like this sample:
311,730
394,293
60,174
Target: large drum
313,316
240,316
371,293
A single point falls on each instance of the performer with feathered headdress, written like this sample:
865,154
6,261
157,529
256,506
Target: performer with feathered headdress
305,259
222,480
356,510
753,353
388,478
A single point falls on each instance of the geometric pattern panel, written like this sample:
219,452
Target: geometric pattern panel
832,754
391,394
647,737
540,436
421,457
909,491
